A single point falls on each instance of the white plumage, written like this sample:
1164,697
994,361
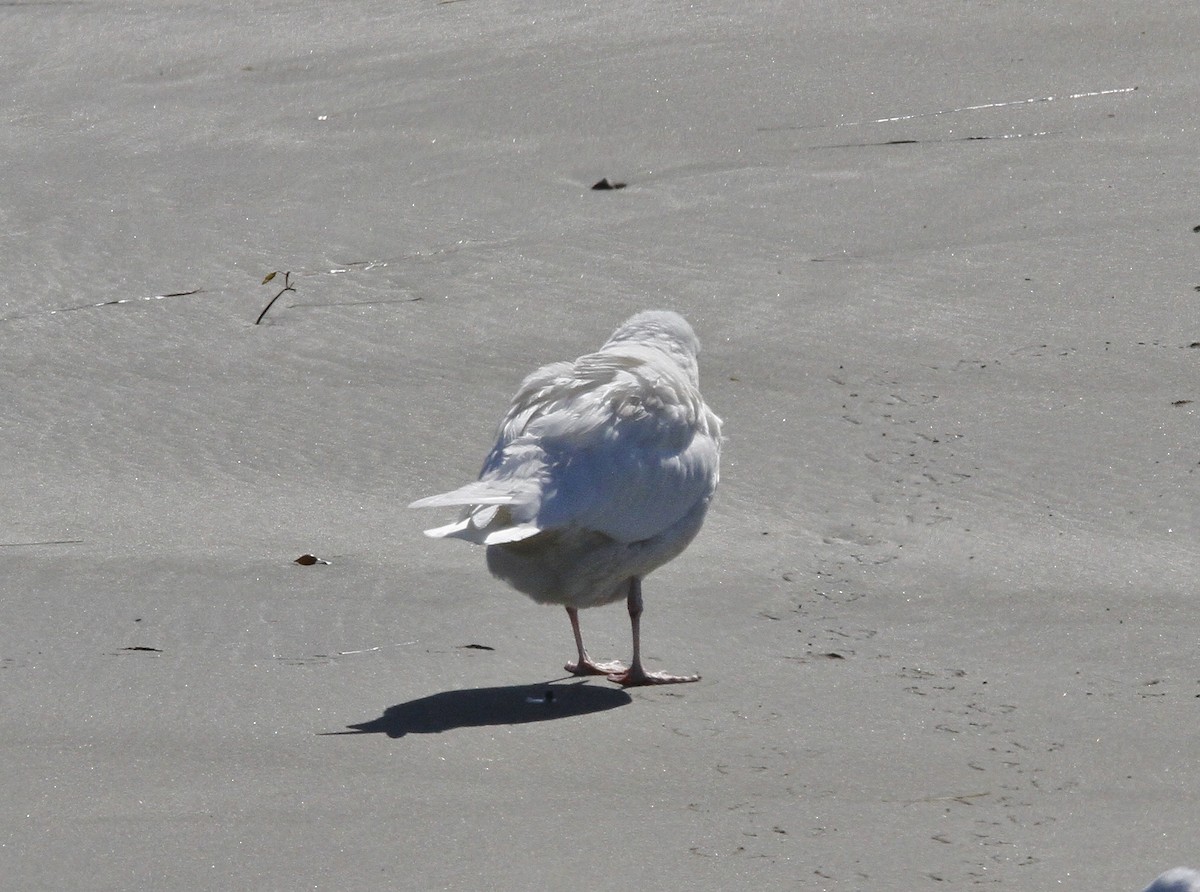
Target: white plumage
602,471
1177,879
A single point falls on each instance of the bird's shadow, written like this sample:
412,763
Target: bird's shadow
475,707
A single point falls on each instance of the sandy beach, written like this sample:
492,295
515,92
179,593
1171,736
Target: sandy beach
942,259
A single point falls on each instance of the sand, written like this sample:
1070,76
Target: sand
942,259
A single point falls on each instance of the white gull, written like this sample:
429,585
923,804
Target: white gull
602,471
1177,879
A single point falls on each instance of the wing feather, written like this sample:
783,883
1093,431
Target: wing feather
619,442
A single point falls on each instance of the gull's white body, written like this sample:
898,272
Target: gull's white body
602,471
1177,879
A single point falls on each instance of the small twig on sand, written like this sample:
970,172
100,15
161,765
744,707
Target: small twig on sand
961,798
365,650
287,286
49,542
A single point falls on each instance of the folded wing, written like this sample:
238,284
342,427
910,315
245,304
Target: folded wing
618,442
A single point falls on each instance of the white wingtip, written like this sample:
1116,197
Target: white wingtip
471,494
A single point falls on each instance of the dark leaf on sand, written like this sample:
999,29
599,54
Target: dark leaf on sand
476,647
270,276
143,649
1182,403
307,560
606,185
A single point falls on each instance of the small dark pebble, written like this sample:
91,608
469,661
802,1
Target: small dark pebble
606,184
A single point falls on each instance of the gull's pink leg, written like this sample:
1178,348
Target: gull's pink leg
584,665
635,675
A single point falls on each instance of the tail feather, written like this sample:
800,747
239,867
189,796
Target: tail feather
456,530
506,535
471,531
